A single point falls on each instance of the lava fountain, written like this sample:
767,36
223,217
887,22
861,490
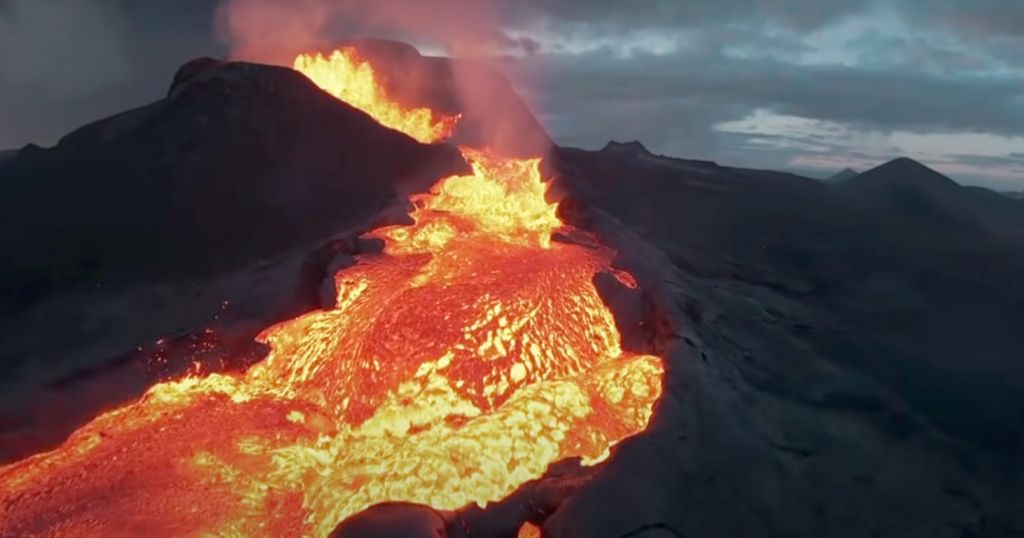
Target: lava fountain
346,76
457,364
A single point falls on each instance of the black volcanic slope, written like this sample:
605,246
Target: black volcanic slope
205,209
852,361
240,161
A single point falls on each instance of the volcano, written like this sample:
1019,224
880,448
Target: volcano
456,365
423,325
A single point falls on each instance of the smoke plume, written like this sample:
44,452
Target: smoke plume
262,29
274,31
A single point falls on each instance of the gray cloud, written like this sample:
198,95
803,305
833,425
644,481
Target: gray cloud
886,99
945,71
674,14
980,19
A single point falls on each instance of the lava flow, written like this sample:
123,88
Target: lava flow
346,76
459,363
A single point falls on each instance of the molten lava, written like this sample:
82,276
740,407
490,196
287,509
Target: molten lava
345,75
529,530
457,364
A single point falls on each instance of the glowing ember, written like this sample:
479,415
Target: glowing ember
529,530
345,75
457,365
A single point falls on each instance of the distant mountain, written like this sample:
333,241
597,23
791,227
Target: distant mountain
845,174
919,200
902,172
1019,195
615,151
6,155
632,147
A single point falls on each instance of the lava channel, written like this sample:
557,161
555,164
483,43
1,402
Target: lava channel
457,364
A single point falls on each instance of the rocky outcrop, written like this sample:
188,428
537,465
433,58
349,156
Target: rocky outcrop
393,520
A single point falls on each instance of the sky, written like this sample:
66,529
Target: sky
811,86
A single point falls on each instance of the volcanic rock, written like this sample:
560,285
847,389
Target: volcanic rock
393,520
634,313
241,162
191,70
846,363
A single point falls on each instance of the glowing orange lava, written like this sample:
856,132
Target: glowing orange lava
345,75
529,530
458,364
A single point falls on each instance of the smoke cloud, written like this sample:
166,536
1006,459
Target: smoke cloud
262,29
274,31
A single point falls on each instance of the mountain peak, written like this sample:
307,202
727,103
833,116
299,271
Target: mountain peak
908,165
845,174
904,173
633,147
192,69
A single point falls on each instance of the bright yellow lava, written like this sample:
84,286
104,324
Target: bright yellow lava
456,365
345,75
